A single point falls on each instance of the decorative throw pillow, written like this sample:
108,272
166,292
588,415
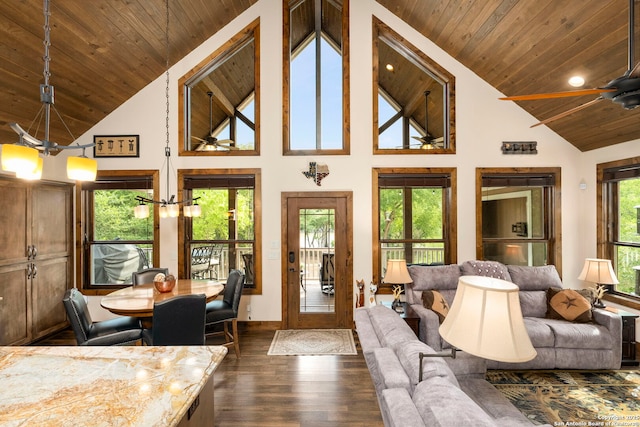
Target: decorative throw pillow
573,305
433,300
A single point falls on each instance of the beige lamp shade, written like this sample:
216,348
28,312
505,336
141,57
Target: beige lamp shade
82,168
19,158
485,320
598,271
141,211
397,272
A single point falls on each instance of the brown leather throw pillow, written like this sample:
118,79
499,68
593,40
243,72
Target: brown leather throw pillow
569,304
433,300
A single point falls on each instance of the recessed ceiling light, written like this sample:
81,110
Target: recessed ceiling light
389,67
576,81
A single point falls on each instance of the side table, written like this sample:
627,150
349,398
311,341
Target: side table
628,336
409,316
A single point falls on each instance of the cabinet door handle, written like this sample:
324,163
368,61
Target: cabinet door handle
34,251
29,251
35,271
29,271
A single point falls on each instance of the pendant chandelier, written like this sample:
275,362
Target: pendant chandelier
169,207
23,157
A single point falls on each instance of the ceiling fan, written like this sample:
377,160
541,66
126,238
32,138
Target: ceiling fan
210,142
428,141
624,90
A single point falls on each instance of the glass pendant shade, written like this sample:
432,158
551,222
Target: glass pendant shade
82,168
33,175
186,211
174,210
196,210
141,211
164,211
19,158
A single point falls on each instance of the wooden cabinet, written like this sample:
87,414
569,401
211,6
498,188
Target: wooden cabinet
36,255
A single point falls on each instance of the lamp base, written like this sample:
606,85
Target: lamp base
598,304
397,306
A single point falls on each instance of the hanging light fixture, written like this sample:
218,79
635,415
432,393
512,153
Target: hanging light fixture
169,207
23,157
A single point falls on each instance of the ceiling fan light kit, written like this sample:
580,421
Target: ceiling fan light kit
624,90
23,157
519,147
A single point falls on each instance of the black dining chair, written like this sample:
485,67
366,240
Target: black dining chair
177,321
146,276
118,331
225,312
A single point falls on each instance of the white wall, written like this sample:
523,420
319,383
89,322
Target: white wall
482,123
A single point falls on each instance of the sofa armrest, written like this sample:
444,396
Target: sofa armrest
609,320
613,323
429,327
398,410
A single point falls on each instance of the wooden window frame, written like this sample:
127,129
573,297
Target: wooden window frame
286,78
552,217
84,219
257,218
450,229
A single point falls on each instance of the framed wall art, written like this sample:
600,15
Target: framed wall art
116,146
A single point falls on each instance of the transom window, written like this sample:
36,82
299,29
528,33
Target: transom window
316,91
413,100
414,217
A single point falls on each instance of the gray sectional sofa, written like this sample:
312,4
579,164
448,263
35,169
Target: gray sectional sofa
560,344
453,392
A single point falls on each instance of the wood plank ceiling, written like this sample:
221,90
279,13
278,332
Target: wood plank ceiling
104,52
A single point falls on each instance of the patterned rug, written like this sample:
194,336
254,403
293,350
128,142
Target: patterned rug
312,342
573,397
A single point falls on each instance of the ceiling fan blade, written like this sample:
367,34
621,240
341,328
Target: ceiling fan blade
224,141
198,139
635,73
551,95
571,111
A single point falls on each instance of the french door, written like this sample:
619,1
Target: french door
317,264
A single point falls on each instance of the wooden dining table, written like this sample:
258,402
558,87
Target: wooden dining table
138,301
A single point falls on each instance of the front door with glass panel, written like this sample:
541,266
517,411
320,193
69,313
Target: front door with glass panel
317,261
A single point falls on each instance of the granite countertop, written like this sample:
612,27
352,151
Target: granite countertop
102,386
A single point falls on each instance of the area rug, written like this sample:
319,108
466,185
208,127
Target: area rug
312,342
573,397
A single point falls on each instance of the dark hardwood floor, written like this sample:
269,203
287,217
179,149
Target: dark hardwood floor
285,391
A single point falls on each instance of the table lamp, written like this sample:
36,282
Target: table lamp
600,272
397,274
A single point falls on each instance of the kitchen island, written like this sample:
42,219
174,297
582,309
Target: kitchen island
108,386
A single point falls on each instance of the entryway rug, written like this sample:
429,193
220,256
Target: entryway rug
573,397
312,342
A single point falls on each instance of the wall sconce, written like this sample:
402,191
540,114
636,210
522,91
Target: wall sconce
519,147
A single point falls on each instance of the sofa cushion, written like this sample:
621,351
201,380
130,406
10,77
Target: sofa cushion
533,303
433,300
579,335
437,277
573,305
390,328
442,404
493,269
535,278
540,334
409,356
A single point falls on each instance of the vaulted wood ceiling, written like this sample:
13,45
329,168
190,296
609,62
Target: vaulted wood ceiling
104,52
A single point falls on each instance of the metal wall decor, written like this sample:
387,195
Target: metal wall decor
519,147
116,146
316,172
